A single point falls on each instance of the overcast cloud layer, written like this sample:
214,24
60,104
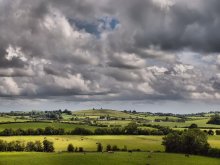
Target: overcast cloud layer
84,50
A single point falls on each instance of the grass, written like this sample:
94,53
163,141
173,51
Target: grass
103,158
10,119
35,125
102,112
214,141
145,143
201,123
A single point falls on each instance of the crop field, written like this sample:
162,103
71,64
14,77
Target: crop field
137,158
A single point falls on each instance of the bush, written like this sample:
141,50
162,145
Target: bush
30,147
210,132
115,148
99,147
81,149
81,131
214,152
214,120
3,145
124,149
48,146
108,147
70,148
38,146
193,126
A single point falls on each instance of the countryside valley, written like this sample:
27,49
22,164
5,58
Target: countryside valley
108,137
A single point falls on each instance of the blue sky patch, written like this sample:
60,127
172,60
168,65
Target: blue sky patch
96,27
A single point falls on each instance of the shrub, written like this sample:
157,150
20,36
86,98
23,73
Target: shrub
81,149
99,147
70,148
115,148
214,152
48,146
108,147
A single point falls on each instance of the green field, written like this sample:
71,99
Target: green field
140,158
10,119
201,123
35,125
145,143
102,112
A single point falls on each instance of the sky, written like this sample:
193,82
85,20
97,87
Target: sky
143,55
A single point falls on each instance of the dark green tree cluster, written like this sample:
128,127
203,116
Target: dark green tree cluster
130,129
99,147
37,146
192,141
38,131
214,120
70,148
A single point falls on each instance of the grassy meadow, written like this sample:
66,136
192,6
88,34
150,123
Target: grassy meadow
140,158
35,125
89,143
145,143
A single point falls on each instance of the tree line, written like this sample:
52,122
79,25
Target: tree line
37,146
130,129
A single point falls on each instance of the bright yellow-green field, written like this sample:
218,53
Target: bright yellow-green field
145,143
214,141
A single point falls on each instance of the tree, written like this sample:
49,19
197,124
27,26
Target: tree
81,131
38,146
108,147
192,141
39,131
115,148
48,146
70,148
131,128
192,126
172,143
30,146
3,145
214,120
195,141
210,132
49,130
81,149
99,147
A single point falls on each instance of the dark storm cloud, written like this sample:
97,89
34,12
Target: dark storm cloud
109,50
